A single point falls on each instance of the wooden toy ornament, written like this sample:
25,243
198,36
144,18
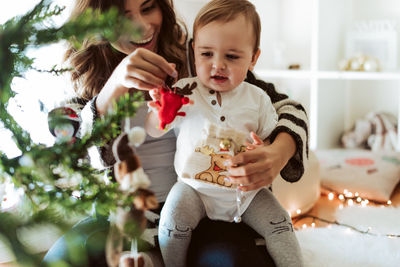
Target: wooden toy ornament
132,180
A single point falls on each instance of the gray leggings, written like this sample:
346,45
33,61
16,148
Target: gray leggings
184,209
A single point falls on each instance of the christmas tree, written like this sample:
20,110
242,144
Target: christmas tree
56,181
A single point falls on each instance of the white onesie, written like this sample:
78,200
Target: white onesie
210,133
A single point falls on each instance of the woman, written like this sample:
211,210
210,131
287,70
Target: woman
104,71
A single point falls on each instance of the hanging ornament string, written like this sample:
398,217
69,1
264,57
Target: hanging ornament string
226,144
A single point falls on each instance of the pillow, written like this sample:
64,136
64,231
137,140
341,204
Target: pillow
374,175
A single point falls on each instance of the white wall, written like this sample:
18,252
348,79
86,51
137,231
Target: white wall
34,86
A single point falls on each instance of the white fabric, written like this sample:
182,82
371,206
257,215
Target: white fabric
340,246
246,108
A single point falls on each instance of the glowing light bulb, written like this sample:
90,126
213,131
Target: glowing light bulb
349,194
298,211
345,191
313,224
341,197
389,202
304,226
359,199
350,202
356,194
331,196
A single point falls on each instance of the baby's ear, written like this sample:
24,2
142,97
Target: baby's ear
254,59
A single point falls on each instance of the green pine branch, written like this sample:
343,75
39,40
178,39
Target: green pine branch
58,181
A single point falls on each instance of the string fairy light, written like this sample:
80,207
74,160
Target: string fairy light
350,198
346,198
348,227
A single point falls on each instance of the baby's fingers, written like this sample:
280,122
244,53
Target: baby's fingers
155,94
153,104
249,146
256,139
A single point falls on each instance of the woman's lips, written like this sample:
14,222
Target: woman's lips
144,42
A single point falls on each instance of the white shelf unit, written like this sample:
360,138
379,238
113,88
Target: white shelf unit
312,33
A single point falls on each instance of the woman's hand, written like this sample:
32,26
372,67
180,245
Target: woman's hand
261,163
141,70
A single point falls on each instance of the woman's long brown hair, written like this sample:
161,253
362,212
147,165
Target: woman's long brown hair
95,61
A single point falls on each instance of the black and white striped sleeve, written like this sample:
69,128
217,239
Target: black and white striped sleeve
292,119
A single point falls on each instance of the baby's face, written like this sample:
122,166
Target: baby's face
224,52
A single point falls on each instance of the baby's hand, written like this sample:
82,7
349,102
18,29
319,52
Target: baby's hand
256,142
155,94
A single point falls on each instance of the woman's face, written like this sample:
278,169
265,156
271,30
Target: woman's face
148,15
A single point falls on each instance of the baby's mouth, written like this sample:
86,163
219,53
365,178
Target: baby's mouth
219,78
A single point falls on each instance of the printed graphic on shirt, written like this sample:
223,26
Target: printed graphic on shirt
217,171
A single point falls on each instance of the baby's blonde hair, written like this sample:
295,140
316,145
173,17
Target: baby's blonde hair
228,10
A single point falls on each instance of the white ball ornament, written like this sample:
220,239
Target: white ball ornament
136,136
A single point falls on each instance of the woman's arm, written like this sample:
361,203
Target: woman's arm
288,150
141,70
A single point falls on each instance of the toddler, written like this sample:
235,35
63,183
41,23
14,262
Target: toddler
227,117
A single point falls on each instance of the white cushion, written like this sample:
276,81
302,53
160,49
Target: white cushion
299,197
374,175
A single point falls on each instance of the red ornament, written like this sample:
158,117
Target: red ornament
170,104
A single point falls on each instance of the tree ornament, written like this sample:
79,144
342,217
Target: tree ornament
225,144
133,180
171,102
64,123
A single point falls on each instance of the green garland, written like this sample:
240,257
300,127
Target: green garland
38,168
